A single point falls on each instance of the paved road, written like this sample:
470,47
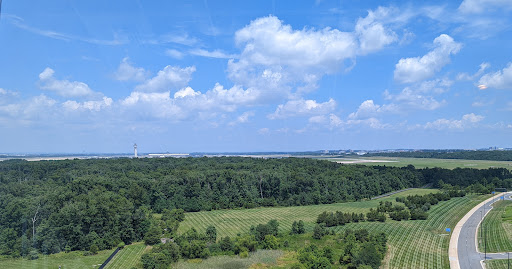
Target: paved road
468,254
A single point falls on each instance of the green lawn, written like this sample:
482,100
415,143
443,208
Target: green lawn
72,260
412,244
427,162
498,239
127,257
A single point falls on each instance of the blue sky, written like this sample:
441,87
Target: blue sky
186,76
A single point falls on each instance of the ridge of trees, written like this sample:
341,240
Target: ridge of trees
493,155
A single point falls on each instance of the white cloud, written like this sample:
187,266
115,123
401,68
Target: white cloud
368,109
467,121
186,92
212,54
501,79
174,53
169,78
244,118
37,107
64,88
263,131
466,76
88,105
370,122
187,102
19,22
127,72
479,6
415,69
268,42
371,32
302,107
182,39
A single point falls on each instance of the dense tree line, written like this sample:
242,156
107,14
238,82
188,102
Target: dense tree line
52,206
494,155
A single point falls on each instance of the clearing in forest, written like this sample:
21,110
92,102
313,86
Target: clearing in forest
412,244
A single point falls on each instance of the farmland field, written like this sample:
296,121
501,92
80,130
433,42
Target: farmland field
412,244
424,162
498,239
70,260
127,257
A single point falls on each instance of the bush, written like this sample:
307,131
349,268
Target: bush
244,254
121,245
33,255
270,242
94,249
319,231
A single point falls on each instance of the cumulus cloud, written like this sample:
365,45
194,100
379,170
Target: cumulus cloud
64,88
411,98
302,107
169,78
372,33
468,120
188,91
187,101
127,72
501,79
93,105
368,109
212,54
479,6
415,69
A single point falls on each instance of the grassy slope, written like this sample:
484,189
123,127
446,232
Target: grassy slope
426,162
498,264
127,257
494,227
70,260
413,244
231,222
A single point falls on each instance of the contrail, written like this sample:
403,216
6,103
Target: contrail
0,9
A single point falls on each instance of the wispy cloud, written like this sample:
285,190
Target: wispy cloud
20,23
212,54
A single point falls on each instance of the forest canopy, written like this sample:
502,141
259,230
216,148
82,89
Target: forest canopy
52,206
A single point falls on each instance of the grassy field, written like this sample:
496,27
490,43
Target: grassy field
230,222
498,264
72,260
127,257
258,258
497,229
426,162
412,244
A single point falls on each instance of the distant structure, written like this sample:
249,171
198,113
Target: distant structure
135,150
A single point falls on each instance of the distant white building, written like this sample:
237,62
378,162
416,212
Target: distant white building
135,150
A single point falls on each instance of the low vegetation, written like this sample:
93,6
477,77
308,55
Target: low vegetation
412,244
496,229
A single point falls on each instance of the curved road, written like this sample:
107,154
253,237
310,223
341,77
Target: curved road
465,238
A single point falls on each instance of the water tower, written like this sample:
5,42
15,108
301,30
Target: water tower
135,150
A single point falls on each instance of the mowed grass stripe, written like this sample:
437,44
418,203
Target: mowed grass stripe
127,257
414,244
497,238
